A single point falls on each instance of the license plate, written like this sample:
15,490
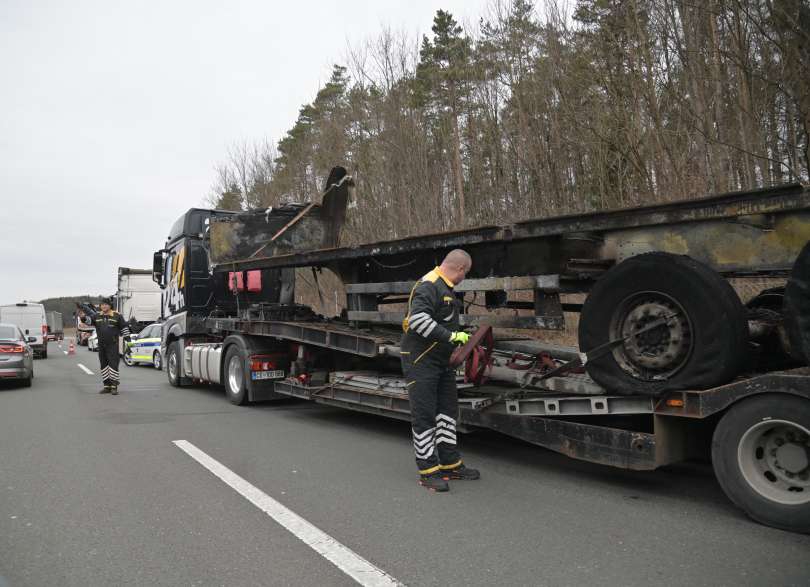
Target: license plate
256,375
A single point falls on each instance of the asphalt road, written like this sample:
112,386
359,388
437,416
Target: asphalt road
94,492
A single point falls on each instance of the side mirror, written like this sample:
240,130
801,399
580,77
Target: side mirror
32,338
157,267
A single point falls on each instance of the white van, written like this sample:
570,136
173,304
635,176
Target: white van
30,318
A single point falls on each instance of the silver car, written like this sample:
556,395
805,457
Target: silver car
16,355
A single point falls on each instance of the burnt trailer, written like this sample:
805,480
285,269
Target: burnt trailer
671,365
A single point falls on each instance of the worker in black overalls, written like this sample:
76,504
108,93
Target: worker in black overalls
431,329
110,325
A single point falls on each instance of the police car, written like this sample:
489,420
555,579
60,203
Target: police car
144,348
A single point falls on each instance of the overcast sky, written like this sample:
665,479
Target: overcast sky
113,115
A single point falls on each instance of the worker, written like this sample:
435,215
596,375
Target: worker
110,325
431,329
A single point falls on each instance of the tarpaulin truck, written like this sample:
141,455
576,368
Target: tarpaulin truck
56,328
671,365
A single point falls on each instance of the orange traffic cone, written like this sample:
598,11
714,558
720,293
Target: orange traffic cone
72,348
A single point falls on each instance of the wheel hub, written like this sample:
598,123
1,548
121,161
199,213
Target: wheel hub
786,458
235,374
173,365
774,458
659,352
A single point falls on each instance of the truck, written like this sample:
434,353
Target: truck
137,298
56,329
31,320
84,325
670,364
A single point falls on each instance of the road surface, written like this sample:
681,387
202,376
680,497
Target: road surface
94,490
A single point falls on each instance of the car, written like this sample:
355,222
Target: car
16,354
145,348
92,342
30,318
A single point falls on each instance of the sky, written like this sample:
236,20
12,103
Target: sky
114,114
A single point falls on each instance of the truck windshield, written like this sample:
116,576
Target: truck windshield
8,333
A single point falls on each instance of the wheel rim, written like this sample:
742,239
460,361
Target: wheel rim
657,354
128,358
156,360
774,459
235,374
173,365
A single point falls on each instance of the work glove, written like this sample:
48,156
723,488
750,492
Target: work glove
459,337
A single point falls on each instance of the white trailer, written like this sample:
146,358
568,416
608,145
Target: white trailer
56,327
137,298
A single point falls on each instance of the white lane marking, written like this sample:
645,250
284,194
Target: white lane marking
341,556
85,369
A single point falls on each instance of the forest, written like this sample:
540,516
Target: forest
547,108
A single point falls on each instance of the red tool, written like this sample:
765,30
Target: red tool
478,355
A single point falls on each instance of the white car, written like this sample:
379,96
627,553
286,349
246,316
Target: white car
144,348
92,342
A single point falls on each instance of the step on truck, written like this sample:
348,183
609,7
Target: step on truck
670,364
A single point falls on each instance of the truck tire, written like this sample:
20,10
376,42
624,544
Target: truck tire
705,344
796,309
174,356
761,457
234,372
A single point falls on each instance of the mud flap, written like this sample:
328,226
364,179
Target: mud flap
797,307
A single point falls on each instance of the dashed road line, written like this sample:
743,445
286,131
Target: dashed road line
85,369
341,556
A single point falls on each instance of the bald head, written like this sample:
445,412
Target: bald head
456,265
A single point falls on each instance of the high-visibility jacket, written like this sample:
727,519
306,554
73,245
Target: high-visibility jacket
433,315
109,327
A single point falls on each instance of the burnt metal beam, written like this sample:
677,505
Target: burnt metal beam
772,200
520,322
549,283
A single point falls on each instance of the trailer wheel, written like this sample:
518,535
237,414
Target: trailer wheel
761,457
235,384
173,356
704,344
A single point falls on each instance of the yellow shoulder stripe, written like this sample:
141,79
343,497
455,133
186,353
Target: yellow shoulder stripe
432,277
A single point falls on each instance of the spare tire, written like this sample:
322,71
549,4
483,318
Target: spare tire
796,310
704,343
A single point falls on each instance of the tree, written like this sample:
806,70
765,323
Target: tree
442,84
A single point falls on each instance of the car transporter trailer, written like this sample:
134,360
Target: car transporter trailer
676,367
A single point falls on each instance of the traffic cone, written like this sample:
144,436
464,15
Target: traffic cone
72,348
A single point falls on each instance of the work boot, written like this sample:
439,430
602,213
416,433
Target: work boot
434,482
105,389
114,391
461,473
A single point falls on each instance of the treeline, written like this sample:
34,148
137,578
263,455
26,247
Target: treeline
619,103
